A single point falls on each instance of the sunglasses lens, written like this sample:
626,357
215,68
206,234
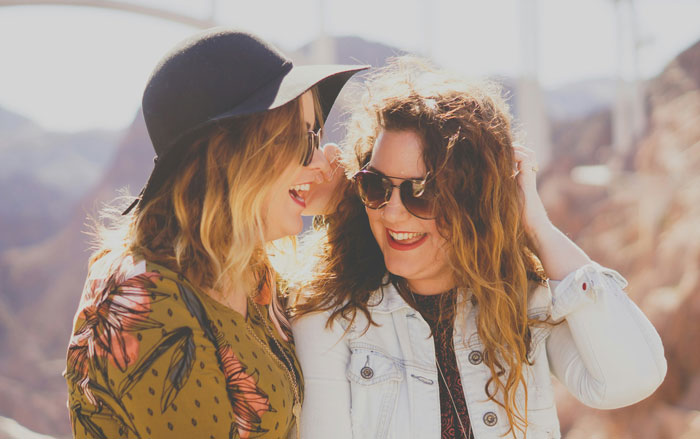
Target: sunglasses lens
309,153
372,189
314,143
417,199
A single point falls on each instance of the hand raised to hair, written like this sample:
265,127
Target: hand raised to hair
558,254
534,213
321,200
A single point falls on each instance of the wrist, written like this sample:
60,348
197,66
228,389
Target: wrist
535,219
538,229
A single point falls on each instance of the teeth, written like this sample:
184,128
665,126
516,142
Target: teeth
301,187
403,236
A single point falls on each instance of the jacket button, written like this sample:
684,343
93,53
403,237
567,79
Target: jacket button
475,357
366,372
490,419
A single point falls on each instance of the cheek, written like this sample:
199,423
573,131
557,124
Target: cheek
438,243
441,249
375,225
281,188
276,204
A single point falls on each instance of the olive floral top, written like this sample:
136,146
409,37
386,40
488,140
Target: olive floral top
155,357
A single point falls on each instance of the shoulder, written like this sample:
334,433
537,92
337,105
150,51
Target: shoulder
312,321
124,314
127,276
159,283
315,326
319,343
158,292
353,321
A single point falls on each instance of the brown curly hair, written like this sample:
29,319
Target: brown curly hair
465,128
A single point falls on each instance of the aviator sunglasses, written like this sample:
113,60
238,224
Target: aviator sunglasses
375,189
314,139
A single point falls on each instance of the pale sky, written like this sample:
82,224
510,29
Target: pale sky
73,68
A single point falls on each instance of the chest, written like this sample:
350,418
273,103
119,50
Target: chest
263,377
394,379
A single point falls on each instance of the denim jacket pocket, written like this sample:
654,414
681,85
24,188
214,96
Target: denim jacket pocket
374,386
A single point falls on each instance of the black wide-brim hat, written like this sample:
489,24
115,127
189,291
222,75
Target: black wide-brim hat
221,74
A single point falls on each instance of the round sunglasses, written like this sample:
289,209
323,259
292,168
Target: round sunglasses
375,189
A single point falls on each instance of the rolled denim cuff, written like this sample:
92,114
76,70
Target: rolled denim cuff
582,287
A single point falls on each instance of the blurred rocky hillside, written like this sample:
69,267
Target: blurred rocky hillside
36,191
644,223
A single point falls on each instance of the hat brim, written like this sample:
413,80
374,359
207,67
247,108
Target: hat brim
284,89
330,80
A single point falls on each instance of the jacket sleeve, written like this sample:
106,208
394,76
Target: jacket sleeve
323,354
606,352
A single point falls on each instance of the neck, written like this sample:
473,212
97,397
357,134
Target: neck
430,287
234,299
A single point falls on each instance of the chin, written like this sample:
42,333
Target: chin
399,268
294,227
289,228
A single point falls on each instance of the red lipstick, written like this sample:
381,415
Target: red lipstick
396,245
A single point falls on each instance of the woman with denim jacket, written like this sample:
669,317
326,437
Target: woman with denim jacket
443,297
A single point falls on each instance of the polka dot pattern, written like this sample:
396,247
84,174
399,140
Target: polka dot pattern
201,404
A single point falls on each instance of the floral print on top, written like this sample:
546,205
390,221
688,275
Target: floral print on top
154,357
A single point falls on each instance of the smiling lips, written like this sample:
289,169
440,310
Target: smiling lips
405,240
298,192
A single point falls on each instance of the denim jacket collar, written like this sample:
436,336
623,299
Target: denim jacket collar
387,299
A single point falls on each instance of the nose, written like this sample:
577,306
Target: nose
320,166
394,209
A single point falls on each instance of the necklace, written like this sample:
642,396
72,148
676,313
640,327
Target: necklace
287,365
444,381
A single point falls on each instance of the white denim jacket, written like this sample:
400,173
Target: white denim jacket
383,383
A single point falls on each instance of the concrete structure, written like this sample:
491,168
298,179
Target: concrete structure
532,113
201,23
629,115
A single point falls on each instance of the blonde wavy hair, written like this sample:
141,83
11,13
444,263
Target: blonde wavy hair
207,219
465,128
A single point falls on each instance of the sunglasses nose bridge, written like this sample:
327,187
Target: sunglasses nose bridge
394,207
390,192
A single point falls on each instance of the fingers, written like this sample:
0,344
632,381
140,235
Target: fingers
525,160
332,153
321,197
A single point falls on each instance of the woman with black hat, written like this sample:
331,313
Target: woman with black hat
180,331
